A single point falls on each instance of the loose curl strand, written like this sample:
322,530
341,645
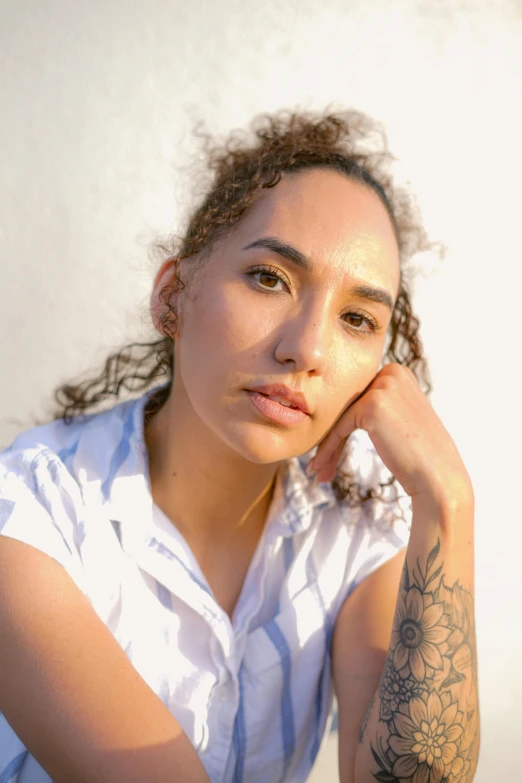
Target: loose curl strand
238,169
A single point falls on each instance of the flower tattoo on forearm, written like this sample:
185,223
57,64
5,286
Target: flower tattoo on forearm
428,704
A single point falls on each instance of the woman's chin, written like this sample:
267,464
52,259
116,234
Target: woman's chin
268,450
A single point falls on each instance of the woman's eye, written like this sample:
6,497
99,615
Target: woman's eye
359,322
267,279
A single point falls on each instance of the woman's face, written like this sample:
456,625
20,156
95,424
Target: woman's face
317,323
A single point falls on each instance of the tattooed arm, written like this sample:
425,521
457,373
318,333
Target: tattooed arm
424,724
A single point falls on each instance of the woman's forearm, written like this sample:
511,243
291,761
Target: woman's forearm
423,723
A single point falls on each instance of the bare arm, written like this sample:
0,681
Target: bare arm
69,691
424,721
359,646
423,725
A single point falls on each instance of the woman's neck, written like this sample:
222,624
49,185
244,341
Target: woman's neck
207,490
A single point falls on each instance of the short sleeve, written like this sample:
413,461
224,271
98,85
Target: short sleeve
380,526
387,532
40,505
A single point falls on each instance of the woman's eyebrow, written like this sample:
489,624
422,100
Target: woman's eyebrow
370,292
285,250
378,295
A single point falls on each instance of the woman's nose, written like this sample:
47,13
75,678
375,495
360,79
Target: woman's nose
303,341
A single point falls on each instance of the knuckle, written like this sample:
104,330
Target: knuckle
388,383
395,374
376,403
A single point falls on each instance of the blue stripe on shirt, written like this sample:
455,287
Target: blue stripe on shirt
277,638
240,736
288,553
6,509
322,691
13,767
164,595
171,556
288,559
64,454
120,455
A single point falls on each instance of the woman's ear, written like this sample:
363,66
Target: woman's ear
158,307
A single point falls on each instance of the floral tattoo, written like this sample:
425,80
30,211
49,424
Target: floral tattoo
428,719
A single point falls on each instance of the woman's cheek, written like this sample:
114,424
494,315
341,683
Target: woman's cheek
236,321
355,370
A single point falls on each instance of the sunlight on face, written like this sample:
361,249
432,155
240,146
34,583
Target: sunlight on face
304,307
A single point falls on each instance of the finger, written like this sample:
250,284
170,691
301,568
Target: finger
329,469
334,440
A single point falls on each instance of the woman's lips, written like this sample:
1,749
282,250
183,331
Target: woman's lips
275,411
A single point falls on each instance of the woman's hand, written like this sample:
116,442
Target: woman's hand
408,435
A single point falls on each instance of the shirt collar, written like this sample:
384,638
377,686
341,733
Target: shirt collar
295,505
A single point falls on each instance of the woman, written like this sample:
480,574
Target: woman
188,575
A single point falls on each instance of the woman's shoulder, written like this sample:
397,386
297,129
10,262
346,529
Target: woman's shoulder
39,503
60,452
55,476
59,436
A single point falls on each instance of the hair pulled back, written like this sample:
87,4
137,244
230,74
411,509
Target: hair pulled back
238,170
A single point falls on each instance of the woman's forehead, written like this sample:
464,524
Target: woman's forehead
331,220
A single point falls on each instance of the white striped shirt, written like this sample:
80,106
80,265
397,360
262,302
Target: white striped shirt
253,693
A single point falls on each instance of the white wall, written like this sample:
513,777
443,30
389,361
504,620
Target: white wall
97,101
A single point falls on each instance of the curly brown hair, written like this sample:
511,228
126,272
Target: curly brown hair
238,170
